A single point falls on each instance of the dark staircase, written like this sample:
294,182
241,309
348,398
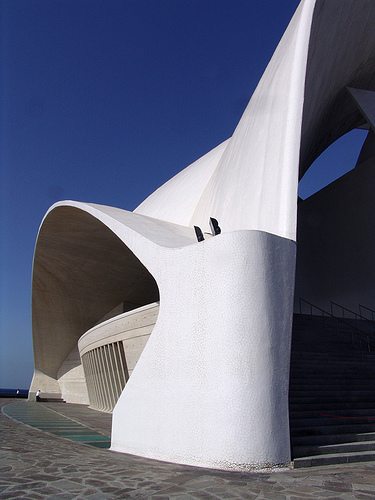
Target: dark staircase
332,393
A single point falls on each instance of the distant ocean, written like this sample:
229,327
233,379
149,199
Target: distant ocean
12,393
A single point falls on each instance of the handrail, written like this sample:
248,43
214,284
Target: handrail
356,315
367,309
369,345
312,306
339,320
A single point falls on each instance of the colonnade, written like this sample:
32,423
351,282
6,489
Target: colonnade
110,351
106,374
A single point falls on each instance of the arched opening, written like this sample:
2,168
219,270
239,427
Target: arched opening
335,227
334,162
82,274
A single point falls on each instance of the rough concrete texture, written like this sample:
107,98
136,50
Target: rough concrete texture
35,465
211,386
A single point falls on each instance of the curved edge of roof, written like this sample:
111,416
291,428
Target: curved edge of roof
255,183
341,53
127,224
176,199
251,180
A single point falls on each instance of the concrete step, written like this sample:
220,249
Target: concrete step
334,459
331,408
326,429
356,358
300,389
324,439
331,400
360,385
51,400
333,425
354,413
340,448
344,367
322,398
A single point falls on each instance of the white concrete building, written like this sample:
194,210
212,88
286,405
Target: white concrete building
189,341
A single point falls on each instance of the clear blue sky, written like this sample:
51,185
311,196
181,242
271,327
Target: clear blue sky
104,100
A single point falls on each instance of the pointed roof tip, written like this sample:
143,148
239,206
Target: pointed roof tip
365,101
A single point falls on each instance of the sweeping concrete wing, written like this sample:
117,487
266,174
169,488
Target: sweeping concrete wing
299,108
83,269
211,386
175,201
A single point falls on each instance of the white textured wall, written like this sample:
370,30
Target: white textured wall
211,387
255,183
176,200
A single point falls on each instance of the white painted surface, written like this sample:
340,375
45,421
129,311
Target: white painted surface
211,387
254,185
176,200
254,182
44,383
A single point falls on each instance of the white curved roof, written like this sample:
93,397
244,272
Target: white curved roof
298,109
176,200
254,185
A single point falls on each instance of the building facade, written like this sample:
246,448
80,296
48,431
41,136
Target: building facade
178,316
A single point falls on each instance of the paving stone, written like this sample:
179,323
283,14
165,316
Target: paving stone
13,494
88,492
36,465
247,496
303,489
35,496
292,497
201,484
221,493
203,495
181,497
48,490
173,490
337,486
366,491
96,496
65,496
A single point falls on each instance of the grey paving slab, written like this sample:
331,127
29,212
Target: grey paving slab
37,465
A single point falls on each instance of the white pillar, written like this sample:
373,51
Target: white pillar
211,386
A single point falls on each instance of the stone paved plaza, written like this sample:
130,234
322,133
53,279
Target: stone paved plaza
37,465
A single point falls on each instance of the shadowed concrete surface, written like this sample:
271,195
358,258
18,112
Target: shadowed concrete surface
37,465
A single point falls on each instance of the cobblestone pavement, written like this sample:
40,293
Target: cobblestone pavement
37,465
